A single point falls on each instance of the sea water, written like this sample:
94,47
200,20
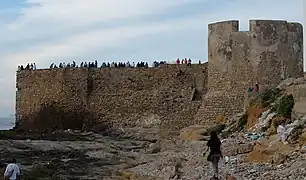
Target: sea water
7,123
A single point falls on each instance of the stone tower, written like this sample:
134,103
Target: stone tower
270,51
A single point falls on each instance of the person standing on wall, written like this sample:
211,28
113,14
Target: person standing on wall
189,62
215,154
185,61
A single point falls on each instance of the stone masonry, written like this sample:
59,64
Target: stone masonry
92,97
268,52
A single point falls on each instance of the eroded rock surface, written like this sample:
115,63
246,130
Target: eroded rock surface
139,156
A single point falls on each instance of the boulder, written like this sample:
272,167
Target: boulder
279,158
254,113
195,133
263,121
231,178
291,81
217,128
240,149
286,83
302,140
154,148
269,151
303,149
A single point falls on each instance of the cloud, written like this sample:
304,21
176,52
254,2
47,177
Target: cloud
58,16
48,31
68,20
80,43
70,23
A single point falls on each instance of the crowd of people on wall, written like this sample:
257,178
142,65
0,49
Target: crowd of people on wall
27,67
68,65
184,61
95,64
157,64
103,65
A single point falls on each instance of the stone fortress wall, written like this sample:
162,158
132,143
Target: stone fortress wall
88,97
93,97
268,52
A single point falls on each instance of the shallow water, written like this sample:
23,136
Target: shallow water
7,123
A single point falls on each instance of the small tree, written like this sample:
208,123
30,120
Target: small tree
285,106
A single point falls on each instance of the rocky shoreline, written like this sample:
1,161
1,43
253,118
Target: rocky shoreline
124,154
147,152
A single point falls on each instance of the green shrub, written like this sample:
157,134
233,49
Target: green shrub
273,108
285,106
242,121
269,96
264,129
8,134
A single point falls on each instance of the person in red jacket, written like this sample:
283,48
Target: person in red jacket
185,61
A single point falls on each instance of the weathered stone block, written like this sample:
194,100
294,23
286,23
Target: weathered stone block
84,98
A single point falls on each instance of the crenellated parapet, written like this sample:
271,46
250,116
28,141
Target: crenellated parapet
270,51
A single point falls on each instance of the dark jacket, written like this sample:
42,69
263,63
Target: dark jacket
215,146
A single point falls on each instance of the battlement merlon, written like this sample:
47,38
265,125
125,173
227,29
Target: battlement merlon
223,27
295,27
259,26
254,26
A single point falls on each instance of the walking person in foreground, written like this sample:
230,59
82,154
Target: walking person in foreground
215,154
12,171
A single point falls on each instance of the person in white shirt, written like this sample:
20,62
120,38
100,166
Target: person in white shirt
12,171
281,131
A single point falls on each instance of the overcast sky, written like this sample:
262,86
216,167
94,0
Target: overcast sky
46,31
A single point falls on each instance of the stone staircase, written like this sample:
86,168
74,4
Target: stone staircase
218,104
